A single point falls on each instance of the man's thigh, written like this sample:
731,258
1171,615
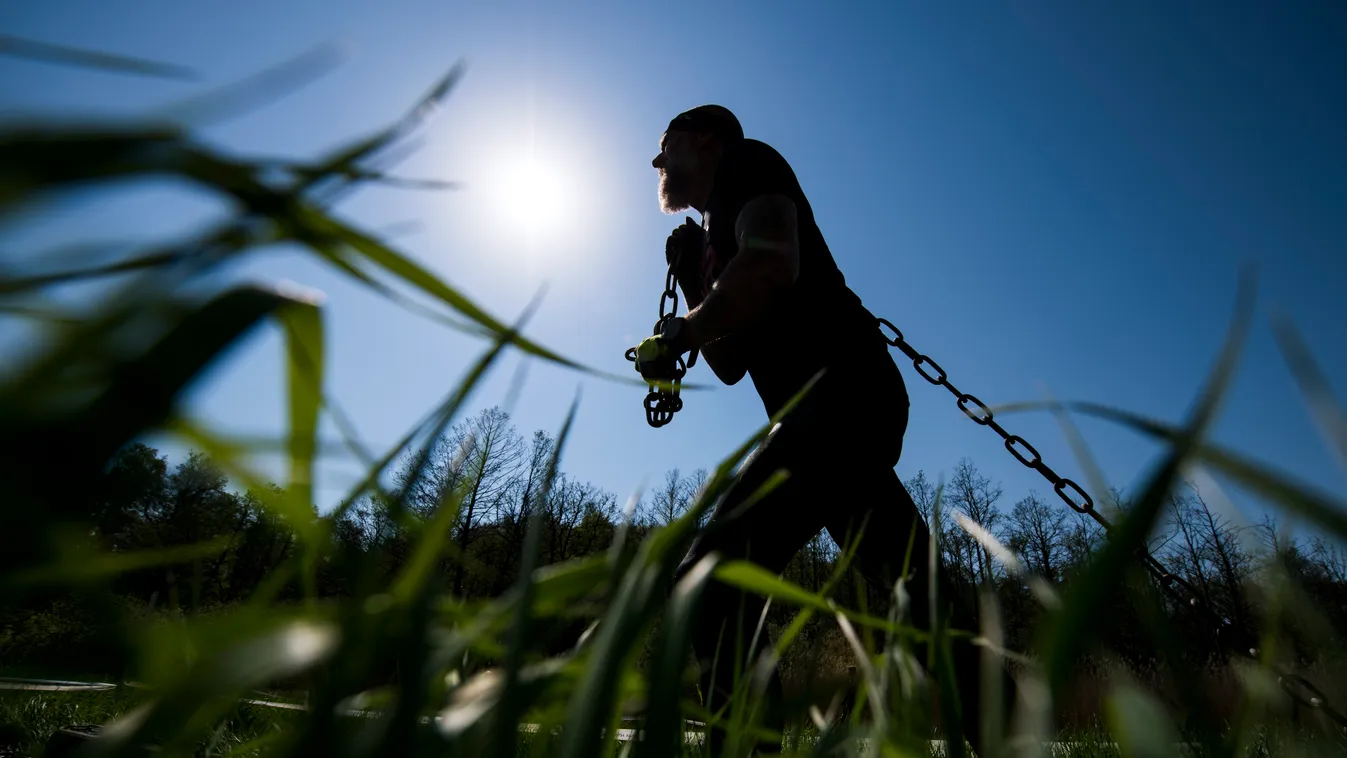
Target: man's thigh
880,516
766,526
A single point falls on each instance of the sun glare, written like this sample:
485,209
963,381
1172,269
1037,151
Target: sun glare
532,191
530,195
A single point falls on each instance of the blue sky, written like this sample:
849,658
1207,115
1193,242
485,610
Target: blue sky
1042,196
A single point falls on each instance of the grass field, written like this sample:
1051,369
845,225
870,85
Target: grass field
470,673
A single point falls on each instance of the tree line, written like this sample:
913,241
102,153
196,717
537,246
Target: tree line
498,476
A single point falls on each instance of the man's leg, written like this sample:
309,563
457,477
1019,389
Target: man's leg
891,521
769,533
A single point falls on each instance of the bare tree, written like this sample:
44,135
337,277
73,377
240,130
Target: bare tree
1329,561
975,496
1038,533
442,476
1083,537
922,491
669,501
572,506
526,490
1232,565
1206,551
494,454
693,486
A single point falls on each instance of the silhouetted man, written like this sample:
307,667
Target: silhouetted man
767,300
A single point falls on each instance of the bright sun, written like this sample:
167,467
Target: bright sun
530,195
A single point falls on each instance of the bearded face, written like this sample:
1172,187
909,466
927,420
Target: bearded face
679,167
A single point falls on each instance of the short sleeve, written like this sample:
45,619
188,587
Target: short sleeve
751,169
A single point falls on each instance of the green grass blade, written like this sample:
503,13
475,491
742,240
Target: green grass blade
1140,724
79,568
410,583
513,701
1324,408
664,722
1067,635
26,284
347,158
1278,488
303,325
417,276
633,604
751,577
186,709
143,391
35,158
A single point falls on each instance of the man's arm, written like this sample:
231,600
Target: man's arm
767,263
725,355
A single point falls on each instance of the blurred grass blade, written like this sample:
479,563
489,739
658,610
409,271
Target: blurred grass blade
184,714
1093,473
868,673
313,173
999,552
144,391
993,720
77,568
24,284
1065,637
38,157
1141,725
751,577
302,321
18,47
417,276
141,392
41,313
513,701
194,254
1324,408
1277,488
303,324
664,720
236,99
561,584
1042,591
233,459
635,602
409,584
346,159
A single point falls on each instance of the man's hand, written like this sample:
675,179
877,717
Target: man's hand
683,251
656,359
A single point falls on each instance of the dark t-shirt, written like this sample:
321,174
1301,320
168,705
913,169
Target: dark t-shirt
819,322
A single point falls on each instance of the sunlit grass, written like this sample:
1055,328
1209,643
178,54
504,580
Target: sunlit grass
473,677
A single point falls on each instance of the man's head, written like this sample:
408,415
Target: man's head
689,150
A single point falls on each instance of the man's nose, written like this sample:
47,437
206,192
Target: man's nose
658,162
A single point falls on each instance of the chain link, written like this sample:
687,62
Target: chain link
660,404
1183,592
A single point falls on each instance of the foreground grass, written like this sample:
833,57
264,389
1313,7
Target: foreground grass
30,719
452,676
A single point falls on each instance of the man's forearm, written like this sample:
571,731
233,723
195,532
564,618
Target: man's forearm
766,264
739,297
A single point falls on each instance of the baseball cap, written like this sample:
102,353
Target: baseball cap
716,119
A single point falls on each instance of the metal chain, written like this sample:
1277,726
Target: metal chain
1183,592
661,405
